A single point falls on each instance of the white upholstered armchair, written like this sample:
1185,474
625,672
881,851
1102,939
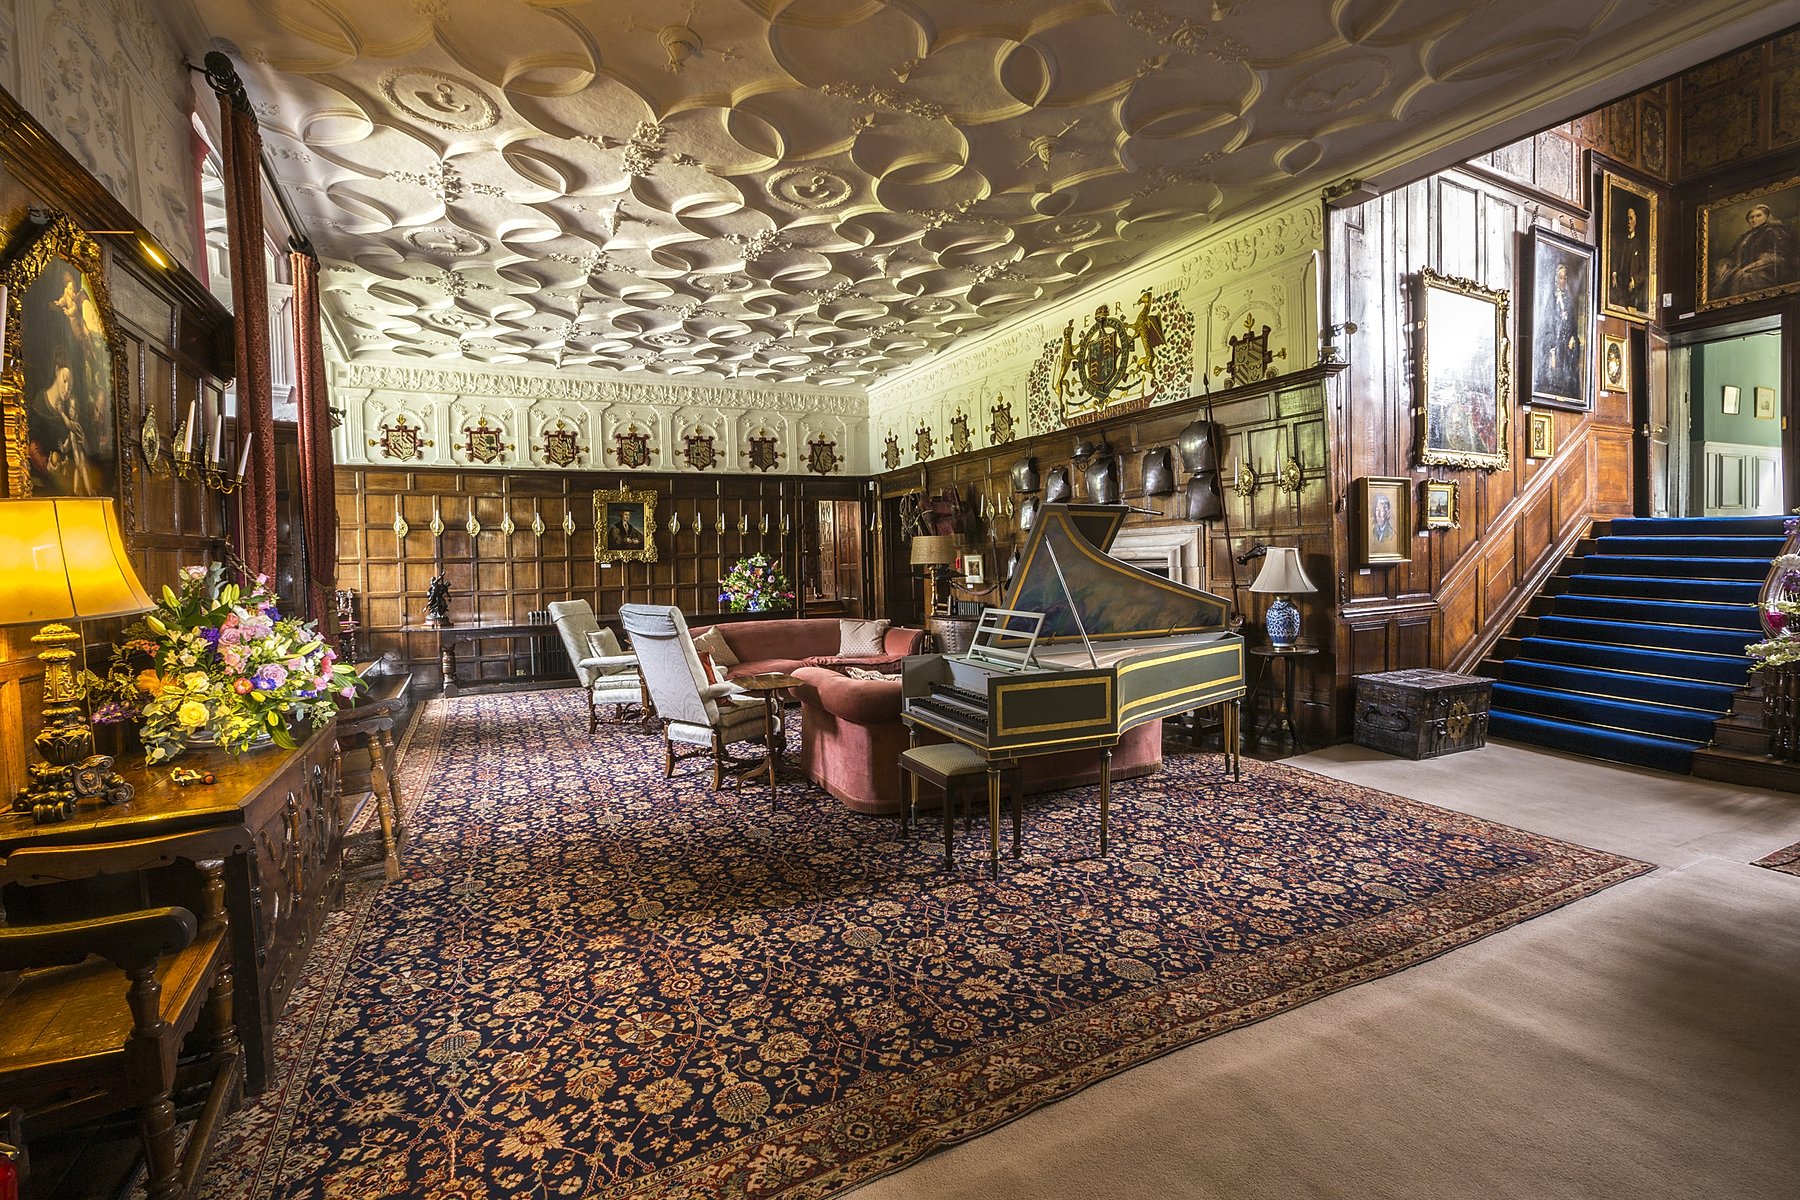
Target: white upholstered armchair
693,711
606,672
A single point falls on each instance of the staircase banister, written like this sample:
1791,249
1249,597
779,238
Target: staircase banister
1783,582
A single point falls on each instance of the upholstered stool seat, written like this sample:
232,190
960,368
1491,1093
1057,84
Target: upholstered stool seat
955,769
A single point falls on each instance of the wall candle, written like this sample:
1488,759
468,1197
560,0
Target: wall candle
244,459
188,432
216,450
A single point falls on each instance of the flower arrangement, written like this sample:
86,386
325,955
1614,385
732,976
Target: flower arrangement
216,660
1781,618
755,584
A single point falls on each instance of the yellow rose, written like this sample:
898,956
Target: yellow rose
195,681
191,714
149,682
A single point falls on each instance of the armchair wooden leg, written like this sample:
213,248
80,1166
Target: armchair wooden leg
593,713
668,754
718,761
157,1121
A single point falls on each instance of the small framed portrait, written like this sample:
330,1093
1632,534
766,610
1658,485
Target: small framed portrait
1542,442
1615,365
1384,520
974,570
1749,246
1561,339
63,400
1765,402
1464,374
1730,400
1440,504
625,526
1628,219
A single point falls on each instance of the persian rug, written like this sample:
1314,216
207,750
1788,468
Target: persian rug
591,981
1786,861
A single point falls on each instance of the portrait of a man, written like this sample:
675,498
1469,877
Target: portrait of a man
1750,246
625,525
68,378
1562,321
1627,268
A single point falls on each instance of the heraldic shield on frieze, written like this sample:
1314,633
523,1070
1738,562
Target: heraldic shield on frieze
698,453
822,457
401,442
631,448
562,445
484,442
890,451
764,454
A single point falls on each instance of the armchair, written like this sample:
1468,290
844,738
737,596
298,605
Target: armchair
694,711
82,1038
610,677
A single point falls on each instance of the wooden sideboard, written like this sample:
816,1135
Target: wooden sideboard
273,814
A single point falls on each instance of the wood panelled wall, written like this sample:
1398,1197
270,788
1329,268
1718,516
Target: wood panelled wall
172,331
1463,584
496,579
1268,423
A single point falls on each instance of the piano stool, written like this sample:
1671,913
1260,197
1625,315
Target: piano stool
954,769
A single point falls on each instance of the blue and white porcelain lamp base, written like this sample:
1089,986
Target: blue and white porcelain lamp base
1283,623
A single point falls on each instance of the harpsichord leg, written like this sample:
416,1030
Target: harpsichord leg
993,782
1105,794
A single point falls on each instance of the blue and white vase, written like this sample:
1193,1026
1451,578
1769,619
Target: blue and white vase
1282,622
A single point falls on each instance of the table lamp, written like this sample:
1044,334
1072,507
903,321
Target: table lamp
1282,575
64,560
933,551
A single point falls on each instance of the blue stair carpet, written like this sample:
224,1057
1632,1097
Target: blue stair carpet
1643,645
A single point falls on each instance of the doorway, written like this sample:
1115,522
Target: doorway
1725,427
834,587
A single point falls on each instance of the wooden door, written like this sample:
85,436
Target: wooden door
847,526
1653,426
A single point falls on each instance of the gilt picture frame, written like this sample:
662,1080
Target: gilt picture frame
1384,520
1541,442
1615,363
1560,344
1440,504
1749,246
61,396
1464,372
625,525
1630,213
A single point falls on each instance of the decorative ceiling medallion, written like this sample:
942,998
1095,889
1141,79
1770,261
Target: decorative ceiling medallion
669,339
822,457
1000,427
931,306
721,283
922,442
631,448
890,454
810,188
1250,355
1111,357
439,99
484,444
698,453
1340,85
1072,229
764,455
562,445
959,433
447,243
401,442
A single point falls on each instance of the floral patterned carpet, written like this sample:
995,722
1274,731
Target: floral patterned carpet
1786,860
591,981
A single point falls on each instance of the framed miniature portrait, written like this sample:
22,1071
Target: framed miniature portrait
974,570
1384,520
1440,504
1615,365
1561,339
1463,375
1628,220
625,526
1542,441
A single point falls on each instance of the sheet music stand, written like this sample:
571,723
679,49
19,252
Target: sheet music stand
997,638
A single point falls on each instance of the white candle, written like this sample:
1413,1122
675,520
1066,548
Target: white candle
187,433
217,448
244,460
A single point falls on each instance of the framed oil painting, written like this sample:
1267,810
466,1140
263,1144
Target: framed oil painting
1561,340
1542,442
1384,520
1464,378
625,526
1749,246
60,389
1615,363
1440,504
1629,215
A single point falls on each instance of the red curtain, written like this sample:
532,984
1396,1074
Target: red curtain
318,485
242,152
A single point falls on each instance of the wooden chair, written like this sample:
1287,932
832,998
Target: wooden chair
370,768
94,1012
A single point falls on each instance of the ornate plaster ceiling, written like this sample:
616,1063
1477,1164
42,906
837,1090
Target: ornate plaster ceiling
824,190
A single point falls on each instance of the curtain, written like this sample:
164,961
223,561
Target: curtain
242,152
318,485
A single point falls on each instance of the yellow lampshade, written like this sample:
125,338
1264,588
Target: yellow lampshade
934,549
63,560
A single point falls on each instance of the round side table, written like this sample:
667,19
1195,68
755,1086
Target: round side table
1281,700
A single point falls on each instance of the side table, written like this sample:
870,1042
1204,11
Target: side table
769,686
1281,701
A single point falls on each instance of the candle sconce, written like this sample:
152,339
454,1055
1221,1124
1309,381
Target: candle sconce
401,528
472,525
537,521
719,526
192,465
568,525
437,523
1247,480
674,521
506,523
763,525
1293,475
196,457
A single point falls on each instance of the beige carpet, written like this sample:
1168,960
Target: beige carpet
1643,1043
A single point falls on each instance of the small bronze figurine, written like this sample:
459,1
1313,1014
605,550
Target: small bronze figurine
437,600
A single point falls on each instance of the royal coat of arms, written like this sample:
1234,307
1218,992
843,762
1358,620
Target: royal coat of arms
959,433
822,457
401,442
763,454
562,445
632,448
890,454
483,444
922,443
1112,356
1000,426
698,453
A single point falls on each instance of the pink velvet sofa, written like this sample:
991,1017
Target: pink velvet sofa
851,737
783,645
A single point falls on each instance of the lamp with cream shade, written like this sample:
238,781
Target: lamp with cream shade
1283,576
933,551
64,560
